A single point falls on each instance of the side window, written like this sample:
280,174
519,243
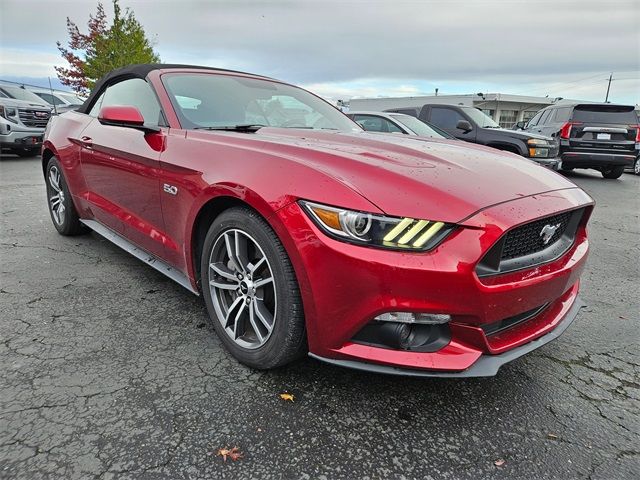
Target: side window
534,121
370,123
391,127
562,115
135,93
445,117
96,106
545,116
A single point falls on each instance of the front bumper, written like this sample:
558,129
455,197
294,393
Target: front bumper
485,366
345,286
552,163
22,139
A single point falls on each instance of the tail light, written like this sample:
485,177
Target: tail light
565,131
637,127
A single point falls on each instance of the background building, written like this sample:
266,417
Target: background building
503,108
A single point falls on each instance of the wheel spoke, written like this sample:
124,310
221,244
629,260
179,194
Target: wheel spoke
231,252
55,202
258,264
252,320
233,306
263,281
242,253
223,271
263,314
54,179
223,286
239,322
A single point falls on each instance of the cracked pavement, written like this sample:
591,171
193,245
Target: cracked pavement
108,372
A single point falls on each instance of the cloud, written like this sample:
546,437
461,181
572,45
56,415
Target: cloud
333,44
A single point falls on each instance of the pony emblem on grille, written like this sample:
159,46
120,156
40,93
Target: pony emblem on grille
548,231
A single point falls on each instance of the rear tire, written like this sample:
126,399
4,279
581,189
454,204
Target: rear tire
260,321
636,167
613,172
61,208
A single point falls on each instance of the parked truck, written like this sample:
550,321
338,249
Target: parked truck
22,126
473,125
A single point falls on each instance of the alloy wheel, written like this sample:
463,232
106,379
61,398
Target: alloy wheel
636,167
242,288
56,195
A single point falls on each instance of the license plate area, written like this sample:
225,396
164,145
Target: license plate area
603,136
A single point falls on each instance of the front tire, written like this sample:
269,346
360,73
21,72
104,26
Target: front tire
251,292
61,208
613,172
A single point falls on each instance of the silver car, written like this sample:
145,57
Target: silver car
386,122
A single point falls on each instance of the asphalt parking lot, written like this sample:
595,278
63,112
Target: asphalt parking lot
109,372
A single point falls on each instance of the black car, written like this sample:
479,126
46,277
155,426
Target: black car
601,136
473,125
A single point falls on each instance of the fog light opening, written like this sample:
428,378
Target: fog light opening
414,332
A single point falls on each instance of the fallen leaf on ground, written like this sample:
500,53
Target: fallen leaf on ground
500,462
233,453
552,436
287,396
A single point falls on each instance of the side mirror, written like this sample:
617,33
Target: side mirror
124,116
464,125
520,125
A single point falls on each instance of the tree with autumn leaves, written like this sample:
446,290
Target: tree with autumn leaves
103,48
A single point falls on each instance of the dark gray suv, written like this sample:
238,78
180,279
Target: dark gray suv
601,136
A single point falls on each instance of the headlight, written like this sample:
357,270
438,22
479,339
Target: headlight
377,230
7,112
539,152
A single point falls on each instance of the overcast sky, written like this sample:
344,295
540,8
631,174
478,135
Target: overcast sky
341,49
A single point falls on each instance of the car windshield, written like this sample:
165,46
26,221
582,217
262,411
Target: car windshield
417,126
482,119
21,94
210,100
72,99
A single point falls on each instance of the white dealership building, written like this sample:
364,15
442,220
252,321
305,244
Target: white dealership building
503,108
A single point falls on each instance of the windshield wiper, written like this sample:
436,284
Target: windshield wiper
248,127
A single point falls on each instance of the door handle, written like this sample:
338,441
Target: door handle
87,142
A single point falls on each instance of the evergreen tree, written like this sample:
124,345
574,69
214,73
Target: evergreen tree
103,48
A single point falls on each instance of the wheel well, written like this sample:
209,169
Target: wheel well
46,156
203,221
505,146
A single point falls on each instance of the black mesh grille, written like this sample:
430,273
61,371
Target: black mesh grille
528,238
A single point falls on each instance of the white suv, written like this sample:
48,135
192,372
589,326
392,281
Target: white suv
22,126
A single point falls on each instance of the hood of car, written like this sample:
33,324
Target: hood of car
13,102
410,176
520,134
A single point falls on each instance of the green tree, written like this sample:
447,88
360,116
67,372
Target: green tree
103,48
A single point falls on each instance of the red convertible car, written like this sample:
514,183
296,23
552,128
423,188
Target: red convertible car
303,233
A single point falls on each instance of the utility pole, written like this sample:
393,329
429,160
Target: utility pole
608,87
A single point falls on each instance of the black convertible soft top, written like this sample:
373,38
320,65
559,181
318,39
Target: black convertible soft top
141,71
